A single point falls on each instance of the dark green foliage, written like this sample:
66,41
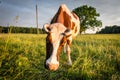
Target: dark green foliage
0,29
88,17
110,30
13,29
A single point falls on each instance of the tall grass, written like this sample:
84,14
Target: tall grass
95,57
98,57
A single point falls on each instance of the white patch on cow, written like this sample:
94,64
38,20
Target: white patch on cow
56,38
53,57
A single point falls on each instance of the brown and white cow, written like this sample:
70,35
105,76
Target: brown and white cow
63,28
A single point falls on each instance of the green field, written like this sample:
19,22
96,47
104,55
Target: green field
95,57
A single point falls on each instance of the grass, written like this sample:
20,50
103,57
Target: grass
95,57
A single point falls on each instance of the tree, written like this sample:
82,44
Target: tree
88,17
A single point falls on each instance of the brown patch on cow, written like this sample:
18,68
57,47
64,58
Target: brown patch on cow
73,25
76,29
68,42
62,17
58,16
62,42
49,38
67,20
49,46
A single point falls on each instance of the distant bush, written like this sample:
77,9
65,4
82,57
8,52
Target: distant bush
110,30
13,29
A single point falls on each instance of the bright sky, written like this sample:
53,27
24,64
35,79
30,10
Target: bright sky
109,11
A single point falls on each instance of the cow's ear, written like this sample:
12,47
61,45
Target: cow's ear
46,27
68,32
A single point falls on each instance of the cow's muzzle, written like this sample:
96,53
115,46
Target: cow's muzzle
52,67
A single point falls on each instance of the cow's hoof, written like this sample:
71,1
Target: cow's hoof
69,63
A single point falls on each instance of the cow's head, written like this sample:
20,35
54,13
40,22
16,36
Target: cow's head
57,35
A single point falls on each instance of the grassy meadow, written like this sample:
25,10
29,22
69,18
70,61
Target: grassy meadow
95,57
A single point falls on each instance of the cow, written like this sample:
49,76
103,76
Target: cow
64,26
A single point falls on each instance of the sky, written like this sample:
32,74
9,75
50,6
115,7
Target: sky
23,11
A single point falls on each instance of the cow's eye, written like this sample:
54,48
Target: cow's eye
63,34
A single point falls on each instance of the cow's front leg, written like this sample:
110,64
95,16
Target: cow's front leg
68,53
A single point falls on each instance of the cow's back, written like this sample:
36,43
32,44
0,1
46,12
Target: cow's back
68,19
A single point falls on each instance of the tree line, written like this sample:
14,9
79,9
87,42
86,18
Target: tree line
13,29
110,30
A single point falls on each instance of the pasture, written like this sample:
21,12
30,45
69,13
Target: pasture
95,57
